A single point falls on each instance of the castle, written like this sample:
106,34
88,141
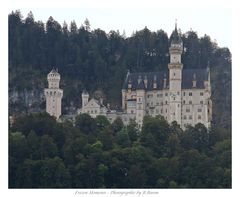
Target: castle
181,95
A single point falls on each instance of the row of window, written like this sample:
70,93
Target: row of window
190,94
161,111
190,102
199,110
184,102
190,117
92,111
166,94
157,111
151,104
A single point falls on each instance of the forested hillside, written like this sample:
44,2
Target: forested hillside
93,153
97,154
96,60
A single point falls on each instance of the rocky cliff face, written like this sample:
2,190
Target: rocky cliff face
29,101
26,101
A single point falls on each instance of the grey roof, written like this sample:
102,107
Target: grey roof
188,75
141,86
54,71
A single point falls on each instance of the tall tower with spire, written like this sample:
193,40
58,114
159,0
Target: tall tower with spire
53,94
175,77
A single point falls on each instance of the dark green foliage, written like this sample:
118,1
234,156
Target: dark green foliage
122,138
160,156
155,132
41,123
102,122
86,124
132,131
117,125
195,137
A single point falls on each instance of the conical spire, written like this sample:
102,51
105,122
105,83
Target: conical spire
175,37
175,24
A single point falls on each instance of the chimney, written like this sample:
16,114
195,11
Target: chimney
194,82
155,82
164,81
129,84
145,81
139,79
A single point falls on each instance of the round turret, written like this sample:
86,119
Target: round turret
85,98
53,79
85,93
53,75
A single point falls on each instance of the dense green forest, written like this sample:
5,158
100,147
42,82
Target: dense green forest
93,153
97,154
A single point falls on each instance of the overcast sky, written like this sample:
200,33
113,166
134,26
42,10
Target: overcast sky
214,22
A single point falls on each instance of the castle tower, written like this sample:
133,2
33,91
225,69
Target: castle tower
53,94
175,77
85,98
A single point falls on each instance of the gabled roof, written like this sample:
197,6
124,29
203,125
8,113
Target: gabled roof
96,102
133,77
188,75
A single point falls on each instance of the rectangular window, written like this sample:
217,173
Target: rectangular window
190,102
201,93
199,117
166,102
166,110
187,110
190,117
166,94
201,102
184,117
199,110
183,93
190,93
183,101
